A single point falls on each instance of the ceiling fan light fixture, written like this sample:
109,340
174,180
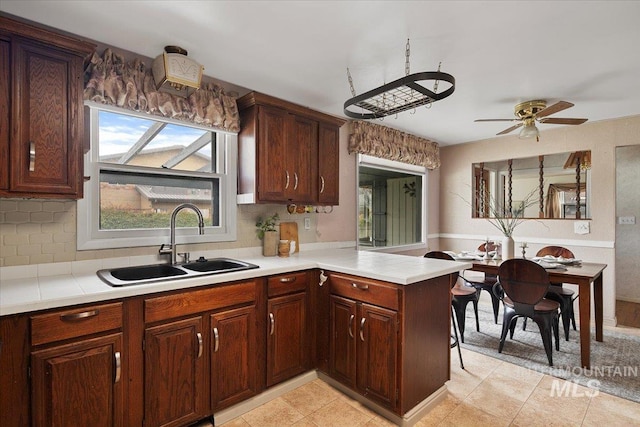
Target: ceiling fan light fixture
529,130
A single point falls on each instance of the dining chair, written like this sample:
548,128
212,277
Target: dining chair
485,282
522,285
461,295
558,293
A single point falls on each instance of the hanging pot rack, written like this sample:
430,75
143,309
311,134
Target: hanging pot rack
405,93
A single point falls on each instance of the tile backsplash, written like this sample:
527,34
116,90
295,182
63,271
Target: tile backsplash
44,231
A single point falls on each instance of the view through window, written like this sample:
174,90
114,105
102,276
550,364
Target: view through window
142,168
390,203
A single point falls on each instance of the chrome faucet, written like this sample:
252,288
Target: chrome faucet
172,248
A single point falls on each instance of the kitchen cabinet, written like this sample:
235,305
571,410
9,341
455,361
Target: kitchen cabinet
288,332
234,356
44,95
76,376
174,373
287,152
329,165
381,334
364,338
201,352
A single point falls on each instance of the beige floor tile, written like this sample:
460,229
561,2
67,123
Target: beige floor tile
237,422
339,414
495,400
534,415
305,422
439,412
605,409
310,397
276,413
516,384
463,383
466,415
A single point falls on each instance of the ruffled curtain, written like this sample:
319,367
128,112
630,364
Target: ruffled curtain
391,144
109,80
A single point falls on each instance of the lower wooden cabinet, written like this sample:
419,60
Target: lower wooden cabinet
174,373
364,347
286,343
288,330
78,366
79,383
389,342
234,356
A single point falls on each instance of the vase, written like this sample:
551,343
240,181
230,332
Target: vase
270,243
508,247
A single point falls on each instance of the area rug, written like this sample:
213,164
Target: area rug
615,362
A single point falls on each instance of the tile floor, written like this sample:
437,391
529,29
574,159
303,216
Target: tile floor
488,393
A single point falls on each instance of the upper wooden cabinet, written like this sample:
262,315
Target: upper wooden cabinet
288,153
41,148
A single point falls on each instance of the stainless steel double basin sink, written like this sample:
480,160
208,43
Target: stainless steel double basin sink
136,275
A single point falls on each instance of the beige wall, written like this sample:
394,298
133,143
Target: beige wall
458,231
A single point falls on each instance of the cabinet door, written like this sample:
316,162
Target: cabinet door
47,120
79,384
5,78
377,354
342,357
302,146
233,356
286,344
274,178
174,373
328,165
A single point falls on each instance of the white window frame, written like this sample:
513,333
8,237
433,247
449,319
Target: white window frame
89,235
392,165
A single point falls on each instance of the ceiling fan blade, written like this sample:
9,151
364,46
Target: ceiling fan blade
496,120
562,121
512,128
558,106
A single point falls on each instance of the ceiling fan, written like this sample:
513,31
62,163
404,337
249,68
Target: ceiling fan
530,112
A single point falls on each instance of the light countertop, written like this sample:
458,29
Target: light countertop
31,288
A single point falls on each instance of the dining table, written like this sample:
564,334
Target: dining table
586,275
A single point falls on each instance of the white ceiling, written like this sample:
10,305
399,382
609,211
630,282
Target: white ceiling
500,52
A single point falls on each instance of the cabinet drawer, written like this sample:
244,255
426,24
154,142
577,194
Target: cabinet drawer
60,325
198,301
365,290
287,283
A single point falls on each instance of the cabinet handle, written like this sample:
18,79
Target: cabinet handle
216,340
321,184
116,356
286,185
288,279
199,337
350,323
323,278
32,156
362,329
361,287
272,321
72,317
295,184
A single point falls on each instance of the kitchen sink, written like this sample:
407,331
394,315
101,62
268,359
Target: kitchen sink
136,275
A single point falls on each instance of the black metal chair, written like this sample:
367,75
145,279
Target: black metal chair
486,284
522,286
558,293
461,295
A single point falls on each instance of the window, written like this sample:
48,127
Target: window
141,168
391,204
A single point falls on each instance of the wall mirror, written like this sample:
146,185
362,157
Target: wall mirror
550,186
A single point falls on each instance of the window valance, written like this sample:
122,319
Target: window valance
391,144
109,80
